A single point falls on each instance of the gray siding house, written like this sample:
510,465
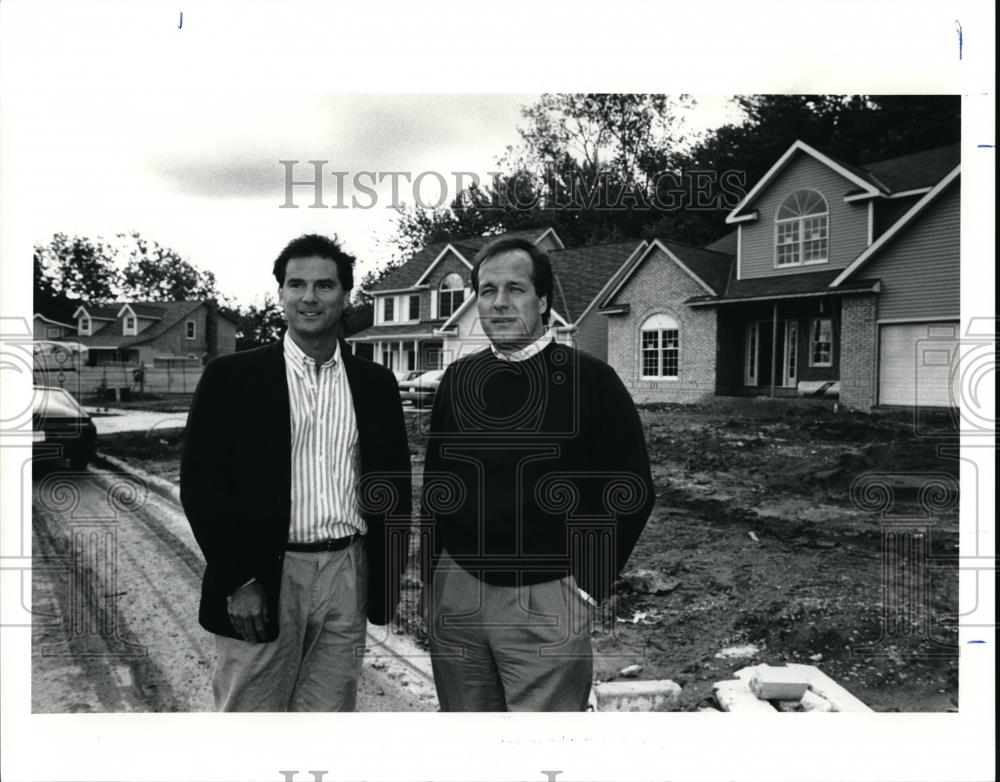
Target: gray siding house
840,279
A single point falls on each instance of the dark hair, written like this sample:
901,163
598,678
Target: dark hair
309,245
541,267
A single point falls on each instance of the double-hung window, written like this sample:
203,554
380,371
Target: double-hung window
801,230
660,348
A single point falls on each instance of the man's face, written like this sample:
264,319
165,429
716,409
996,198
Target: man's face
509,307
312,298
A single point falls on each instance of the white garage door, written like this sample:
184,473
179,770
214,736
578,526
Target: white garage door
915,364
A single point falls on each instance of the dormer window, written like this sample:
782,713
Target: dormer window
451,295
83,325
129,326
801,229
388,309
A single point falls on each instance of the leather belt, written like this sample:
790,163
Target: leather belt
330,544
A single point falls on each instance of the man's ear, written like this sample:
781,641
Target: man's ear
545,305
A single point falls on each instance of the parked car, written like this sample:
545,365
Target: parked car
58,419
407,374
421,389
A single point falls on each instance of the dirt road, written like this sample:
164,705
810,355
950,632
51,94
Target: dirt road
115,595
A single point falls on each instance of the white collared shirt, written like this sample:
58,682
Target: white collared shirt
527,352
325,457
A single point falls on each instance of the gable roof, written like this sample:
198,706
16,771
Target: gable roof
99,312
418,265
862,179
170,313
581,273
896,227
708,268
143,309
891,177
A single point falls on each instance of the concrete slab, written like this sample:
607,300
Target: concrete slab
653,695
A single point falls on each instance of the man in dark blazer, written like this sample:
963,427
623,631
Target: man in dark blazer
295,478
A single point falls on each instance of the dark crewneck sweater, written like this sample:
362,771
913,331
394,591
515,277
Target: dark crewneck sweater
533,467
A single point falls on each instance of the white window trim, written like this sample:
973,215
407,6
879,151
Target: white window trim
812,323
405,301
799,219
191,330
386,300
659,352
134,330
52,331
752,330
465,291
83,325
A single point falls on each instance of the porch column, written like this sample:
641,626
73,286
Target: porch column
416,354
401,354
378,352
774,344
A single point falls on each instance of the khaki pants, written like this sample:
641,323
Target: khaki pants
315,663
497,648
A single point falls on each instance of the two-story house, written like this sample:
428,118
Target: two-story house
840,279
413,303
151,333
425,313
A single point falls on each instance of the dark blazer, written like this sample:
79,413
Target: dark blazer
236,478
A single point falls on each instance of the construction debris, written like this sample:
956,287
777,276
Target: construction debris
771,683
792,687
658,695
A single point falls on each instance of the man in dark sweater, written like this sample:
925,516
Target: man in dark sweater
536,488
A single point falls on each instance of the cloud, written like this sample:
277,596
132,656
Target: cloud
229,147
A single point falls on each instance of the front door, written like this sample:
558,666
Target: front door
759,350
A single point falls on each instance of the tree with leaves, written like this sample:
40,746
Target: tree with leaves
259,324
156,273
78,268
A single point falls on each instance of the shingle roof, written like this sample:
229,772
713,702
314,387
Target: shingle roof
920,169
406,276
727,244
783,285
170,313
711,266
173,311
106,312
582,272
147,310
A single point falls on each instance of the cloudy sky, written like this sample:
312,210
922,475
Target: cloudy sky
199,170
170,119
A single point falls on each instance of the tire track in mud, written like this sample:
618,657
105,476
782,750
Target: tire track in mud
110,596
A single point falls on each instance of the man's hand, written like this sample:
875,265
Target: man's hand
248,612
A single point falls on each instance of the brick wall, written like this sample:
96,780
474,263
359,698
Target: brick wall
660,286
858,352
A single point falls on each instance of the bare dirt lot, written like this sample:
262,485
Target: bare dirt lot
783,531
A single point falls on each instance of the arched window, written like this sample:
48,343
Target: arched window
800,229
661,347
451,295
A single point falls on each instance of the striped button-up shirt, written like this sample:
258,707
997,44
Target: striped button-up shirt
325,459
